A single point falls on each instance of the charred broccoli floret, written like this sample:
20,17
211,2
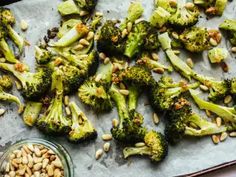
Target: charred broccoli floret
81,128
151,41
130,122
42,56
159,17
53,121
34,85
31,112
163,95
184,122
228,114
230,26
135,11
87,4
7,18
6,82
184,17
165,4
155,147
110,39
94,91
195,39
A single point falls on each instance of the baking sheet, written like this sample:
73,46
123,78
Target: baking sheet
188,156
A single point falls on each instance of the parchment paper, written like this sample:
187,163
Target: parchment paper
188,156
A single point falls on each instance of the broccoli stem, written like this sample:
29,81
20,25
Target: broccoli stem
133,97
17,39
205,127
31,112
104,72
9,55
129,151
229,114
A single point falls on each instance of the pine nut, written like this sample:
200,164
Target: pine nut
106,147
102,56
57,172
24,160
124,92
106,137
2,111
78,47
115,123
37,151
90,36
218,121
12,174
140,144
223,136
36,174
83,13
232,134
213,42
189,5
155,56
84,42
98,154
23,25
228,99
99,14
50,170
159,70
129,26
57,163
45,163
124,33
107,60
233,49
215,139
189,62
173,3
37,166
31,147
155,119
204,88
208,113
7,168
175,35
68,112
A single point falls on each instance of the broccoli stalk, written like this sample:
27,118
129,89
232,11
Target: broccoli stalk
7,18
163,95
34,85
94,91
53,121
130,122
226,113
183,122
135,11
155,147
31,112
81,128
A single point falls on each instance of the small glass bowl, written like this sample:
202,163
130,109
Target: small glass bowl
58,149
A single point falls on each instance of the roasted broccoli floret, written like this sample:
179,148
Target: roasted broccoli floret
53,121
184,16
151,41
31,112
130,122
81,128
4,47
156,147
228,114
110,39
230,26
34,85
67,26
7,18
6,82
94,91
195,39
159,17
184,122
68,8
166,4
135,11
42,56
87,4
217,55
136,39
138,75
164,93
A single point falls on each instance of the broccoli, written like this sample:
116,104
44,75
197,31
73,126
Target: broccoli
81,128
159,17
95,22
233,86
4,47
195,39
184,122
4,96
136,38
31,112
53,121
42,56
163,95
184,17
87,4
165,4
76,33
155,147
228,114
217,55
130,122
230,26
135,11
68,8
67,26
151,42
6,82
110,39
138,75
7,18
150,63
94,91
34,85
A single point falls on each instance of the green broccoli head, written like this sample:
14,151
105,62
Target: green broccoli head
195,39
81,128
184,17
155,147
110,39
6,16
151,41
34,85
164,93
166,4
183,122
53,121
230,26
6,82
87,4
42,56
